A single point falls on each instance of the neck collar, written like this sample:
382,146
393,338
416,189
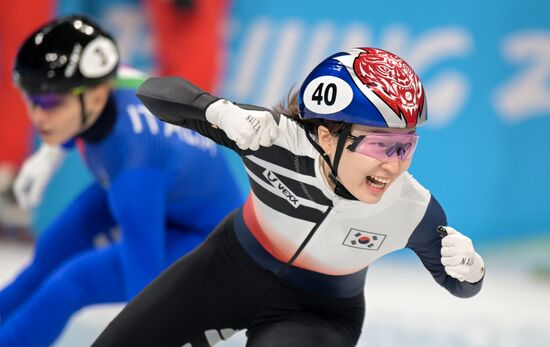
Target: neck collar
103,125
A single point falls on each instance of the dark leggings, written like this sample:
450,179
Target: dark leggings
217,289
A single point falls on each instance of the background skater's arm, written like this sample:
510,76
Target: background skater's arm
137,200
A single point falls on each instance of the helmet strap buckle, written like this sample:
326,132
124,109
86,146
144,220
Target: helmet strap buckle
83,117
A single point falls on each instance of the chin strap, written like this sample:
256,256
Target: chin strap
339,188
83,116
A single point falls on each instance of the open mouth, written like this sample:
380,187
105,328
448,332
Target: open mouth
44,132
377,182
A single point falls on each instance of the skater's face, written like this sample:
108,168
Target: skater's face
365,176
58,117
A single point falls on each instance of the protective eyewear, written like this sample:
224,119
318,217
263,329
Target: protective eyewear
49,101
385,146
46,101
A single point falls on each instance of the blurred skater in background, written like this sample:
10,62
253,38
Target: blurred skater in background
158,190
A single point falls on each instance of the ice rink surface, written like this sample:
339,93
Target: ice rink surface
405,307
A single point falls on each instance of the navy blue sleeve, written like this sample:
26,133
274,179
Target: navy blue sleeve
426,243
137,200
177,101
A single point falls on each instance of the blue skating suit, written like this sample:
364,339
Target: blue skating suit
160,188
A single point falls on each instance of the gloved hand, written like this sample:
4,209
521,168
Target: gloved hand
248,128
459,257
35,174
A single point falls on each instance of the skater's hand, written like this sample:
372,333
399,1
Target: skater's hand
35,174
459,257
248,128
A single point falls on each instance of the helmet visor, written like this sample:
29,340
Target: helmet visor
385,146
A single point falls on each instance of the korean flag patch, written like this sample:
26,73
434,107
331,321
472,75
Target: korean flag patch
364,240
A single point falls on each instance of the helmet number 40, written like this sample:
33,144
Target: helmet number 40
327,94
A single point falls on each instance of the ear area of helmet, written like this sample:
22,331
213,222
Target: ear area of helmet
99,58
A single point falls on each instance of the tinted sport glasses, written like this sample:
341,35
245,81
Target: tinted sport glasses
48,101
385,146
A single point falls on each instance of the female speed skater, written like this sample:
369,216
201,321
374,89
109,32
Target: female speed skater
330,195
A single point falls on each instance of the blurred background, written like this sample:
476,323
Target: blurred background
485,153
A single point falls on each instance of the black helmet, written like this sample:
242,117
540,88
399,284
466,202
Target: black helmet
66,53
